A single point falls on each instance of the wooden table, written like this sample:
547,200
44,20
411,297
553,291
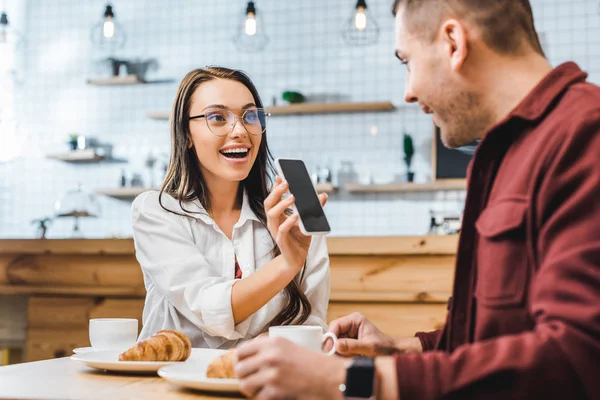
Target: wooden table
66,379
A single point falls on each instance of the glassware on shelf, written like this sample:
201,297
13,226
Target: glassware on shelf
150,163
347,174
136,180
77,203
325,174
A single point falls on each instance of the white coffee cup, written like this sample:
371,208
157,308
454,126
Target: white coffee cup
113,333
311,337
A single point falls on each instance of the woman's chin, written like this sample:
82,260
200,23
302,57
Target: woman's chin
236,176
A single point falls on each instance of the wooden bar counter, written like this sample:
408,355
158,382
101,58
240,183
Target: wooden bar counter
401,283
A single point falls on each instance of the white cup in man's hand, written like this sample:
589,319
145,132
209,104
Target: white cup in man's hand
311,337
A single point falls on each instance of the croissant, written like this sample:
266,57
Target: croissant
165,345
222,366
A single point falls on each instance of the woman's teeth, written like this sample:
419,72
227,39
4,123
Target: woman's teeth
235,153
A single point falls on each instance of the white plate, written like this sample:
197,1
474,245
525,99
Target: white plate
192,374
79,350
109,360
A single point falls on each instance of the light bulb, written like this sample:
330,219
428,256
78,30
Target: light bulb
361,28
360,19
250,35
108,34
109,28
250,27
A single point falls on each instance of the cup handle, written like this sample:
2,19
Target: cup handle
330,335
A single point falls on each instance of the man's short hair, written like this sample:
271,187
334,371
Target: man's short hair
506,25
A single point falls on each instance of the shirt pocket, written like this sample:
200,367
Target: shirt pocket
502,259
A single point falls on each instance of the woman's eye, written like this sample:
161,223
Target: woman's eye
251,116
215,117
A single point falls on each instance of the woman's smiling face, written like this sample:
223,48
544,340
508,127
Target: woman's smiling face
231,156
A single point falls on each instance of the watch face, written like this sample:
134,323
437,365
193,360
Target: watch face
360,378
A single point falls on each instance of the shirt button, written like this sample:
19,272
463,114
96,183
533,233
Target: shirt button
236,242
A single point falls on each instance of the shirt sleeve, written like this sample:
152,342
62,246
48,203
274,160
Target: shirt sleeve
316,281
558,358
429,339
177,268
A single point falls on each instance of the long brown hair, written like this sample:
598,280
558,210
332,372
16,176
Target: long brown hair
185,182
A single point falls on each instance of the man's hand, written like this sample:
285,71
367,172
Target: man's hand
275,368
358,336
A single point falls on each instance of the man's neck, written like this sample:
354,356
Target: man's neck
508,81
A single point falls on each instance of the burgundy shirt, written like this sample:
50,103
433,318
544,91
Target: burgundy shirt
524,319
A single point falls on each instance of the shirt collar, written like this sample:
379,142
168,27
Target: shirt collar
543,96
247,213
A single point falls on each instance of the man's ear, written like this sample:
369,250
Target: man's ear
454,37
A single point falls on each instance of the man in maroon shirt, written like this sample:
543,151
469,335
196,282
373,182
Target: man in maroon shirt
524,320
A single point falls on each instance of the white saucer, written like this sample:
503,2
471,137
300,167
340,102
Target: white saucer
192,374
80,350
109,361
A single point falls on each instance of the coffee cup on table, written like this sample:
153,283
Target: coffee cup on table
311,337
113,333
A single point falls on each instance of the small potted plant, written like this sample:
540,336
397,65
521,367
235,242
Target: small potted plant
73,141
409,152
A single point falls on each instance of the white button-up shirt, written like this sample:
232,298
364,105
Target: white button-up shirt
189,269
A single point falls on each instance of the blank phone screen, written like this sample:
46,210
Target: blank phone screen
307,202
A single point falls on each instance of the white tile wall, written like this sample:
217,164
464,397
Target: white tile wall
305,53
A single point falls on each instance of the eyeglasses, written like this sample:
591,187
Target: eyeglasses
221,121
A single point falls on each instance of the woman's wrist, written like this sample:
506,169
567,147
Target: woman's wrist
298,267
294,266
285,270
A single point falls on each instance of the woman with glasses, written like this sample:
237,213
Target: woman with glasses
222,259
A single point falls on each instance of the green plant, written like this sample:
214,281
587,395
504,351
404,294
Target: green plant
409,150
293,97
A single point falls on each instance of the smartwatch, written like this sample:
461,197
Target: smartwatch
360,379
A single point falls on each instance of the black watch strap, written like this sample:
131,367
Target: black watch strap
360,379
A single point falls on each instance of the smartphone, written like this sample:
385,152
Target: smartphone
312,219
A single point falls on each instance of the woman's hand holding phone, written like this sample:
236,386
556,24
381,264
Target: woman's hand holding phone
284,229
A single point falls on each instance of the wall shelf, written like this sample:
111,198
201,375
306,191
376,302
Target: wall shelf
325,188
159,115
310,108
330,108
124,80
123,193
77,156
453,184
